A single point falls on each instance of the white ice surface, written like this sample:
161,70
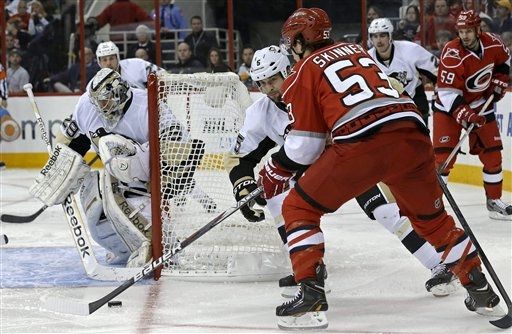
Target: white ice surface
377,286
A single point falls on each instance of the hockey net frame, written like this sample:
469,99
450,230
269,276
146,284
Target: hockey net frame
236,250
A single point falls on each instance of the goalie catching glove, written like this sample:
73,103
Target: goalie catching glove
124,159
62,175
274,178
243,187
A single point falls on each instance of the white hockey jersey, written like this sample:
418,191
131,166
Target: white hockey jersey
135,71
263,119
407,60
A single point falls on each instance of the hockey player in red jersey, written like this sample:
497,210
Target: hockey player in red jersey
473,66
336,90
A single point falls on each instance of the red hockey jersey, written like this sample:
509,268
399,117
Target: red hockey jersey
463,73
338,89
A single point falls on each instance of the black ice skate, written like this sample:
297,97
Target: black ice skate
307,309
290,286
481,298
499,210
443,281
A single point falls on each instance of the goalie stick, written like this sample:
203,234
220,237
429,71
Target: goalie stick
506,321
463,138
75,221
79,307
7,218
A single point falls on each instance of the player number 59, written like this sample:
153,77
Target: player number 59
447,77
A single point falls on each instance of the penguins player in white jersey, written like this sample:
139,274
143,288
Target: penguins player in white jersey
403,61
266,125
112,117
135,71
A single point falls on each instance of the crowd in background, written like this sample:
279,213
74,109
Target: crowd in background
37,42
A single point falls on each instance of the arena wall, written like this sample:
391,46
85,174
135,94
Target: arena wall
28,151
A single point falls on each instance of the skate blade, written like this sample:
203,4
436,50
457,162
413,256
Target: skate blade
491,312
443,290
309,320
291,291
498,216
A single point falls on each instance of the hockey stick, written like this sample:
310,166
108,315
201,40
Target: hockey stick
506,321
75,221
79,307
463,138
7,218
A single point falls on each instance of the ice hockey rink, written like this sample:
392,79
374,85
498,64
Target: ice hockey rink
377,286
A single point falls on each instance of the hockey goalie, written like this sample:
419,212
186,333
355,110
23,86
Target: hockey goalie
112,117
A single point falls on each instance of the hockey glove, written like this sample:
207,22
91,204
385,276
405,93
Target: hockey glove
242,188
274,179
464,115
498,86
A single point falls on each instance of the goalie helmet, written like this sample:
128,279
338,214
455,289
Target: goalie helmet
381,25
107,49
109,93
267,62
312,24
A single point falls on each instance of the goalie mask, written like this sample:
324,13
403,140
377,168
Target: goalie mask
109,93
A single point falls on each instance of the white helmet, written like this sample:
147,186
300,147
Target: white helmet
109,93
381,25
107,49
267,62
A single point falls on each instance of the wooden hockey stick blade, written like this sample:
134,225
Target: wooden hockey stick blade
79,307
506,321
6,218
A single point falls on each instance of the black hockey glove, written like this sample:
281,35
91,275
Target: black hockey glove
244,188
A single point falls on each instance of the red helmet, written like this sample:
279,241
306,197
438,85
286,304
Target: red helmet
468,19
312,23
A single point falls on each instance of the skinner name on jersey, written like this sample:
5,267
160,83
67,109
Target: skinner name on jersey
338,52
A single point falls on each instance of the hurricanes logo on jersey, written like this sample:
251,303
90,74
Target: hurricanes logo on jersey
479,81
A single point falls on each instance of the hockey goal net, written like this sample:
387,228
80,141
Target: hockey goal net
193,186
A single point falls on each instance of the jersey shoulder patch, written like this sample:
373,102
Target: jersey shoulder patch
452,54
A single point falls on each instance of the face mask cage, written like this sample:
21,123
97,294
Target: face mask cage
110,101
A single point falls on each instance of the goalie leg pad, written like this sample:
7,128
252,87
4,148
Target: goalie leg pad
62,175
129,223
101,229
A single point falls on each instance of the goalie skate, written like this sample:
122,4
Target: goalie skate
443,282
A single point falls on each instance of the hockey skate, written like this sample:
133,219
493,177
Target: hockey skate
290,286
481,298
443,282
307,309
499,210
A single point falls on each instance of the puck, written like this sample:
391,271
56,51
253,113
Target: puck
115,303
3,239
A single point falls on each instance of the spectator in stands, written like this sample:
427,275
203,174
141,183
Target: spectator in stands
486,24
68,81
39,19
120,12
442,37
10,42
142,54
199,40
143,35
17,76
22,16
503,20
441,20
243,70
171,18
373,13
507,40
455,8
408,29
215,62
22,38
187,63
